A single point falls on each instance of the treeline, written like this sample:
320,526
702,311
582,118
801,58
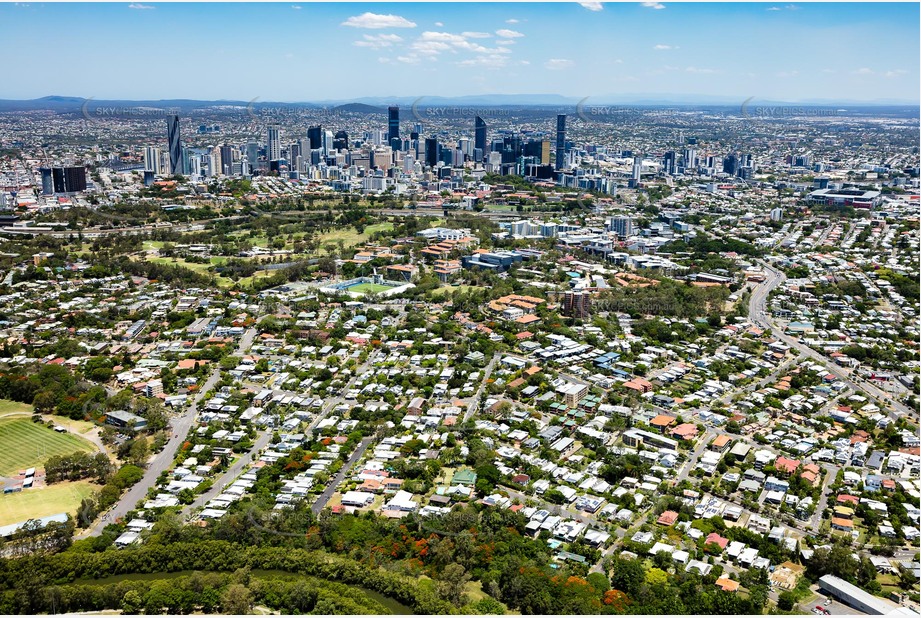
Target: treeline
702,245
165,273
228,593
668,298
24,581
108,495
77,466
50,388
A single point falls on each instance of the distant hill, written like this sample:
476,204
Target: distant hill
359,108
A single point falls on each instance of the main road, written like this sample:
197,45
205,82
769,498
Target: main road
179,427
757,313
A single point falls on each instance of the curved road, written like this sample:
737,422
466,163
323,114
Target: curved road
757,313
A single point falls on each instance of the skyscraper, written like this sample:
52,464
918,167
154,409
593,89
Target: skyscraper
431,151
560,140
152,160
68,179
479,136
175,146
227,159
341,141
273,147
637,168
393,124
315,135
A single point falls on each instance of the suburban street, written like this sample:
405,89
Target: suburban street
758,314
333,485
179,428
229,475
475,400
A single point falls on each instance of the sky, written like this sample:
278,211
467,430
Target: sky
299,52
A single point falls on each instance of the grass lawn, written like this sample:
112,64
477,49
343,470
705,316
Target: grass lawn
44,501
199,268
9,407
24,444
369,288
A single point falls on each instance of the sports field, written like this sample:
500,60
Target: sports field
44,501
24,444
369,288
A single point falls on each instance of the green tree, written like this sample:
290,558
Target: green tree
237,599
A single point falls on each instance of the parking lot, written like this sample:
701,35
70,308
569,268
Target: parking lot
834,608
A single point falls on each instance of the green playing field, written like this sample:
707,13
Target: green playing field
369,288
24,444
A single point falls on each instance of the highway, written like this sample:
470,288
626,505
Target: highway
179,427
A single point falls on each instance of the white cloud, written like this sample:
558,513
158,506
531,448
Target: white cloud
430,44
439,24
137,5
829,71
377,41
699,70
558,64
863,71
296,7
787,73
505,41
383,60
493,61
505,33
654,5
660,46
409,59
896,72
476,35
511,21
789,7
373,21
592,6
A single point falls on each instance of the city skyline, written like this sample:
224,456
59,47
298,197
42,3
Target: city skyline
705,52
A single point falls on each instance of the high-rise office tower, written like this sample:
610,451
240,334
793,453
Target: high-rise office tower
393,123
671,162
252,153
690,158
152,160
175,146
731,165
68,179
315,135
327,142
560,141
341,141
226,160
294,151
47,183
637,167
431,151
479,136
273,145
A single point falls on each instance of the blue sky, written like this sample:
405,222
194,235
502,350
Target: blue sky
311,52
